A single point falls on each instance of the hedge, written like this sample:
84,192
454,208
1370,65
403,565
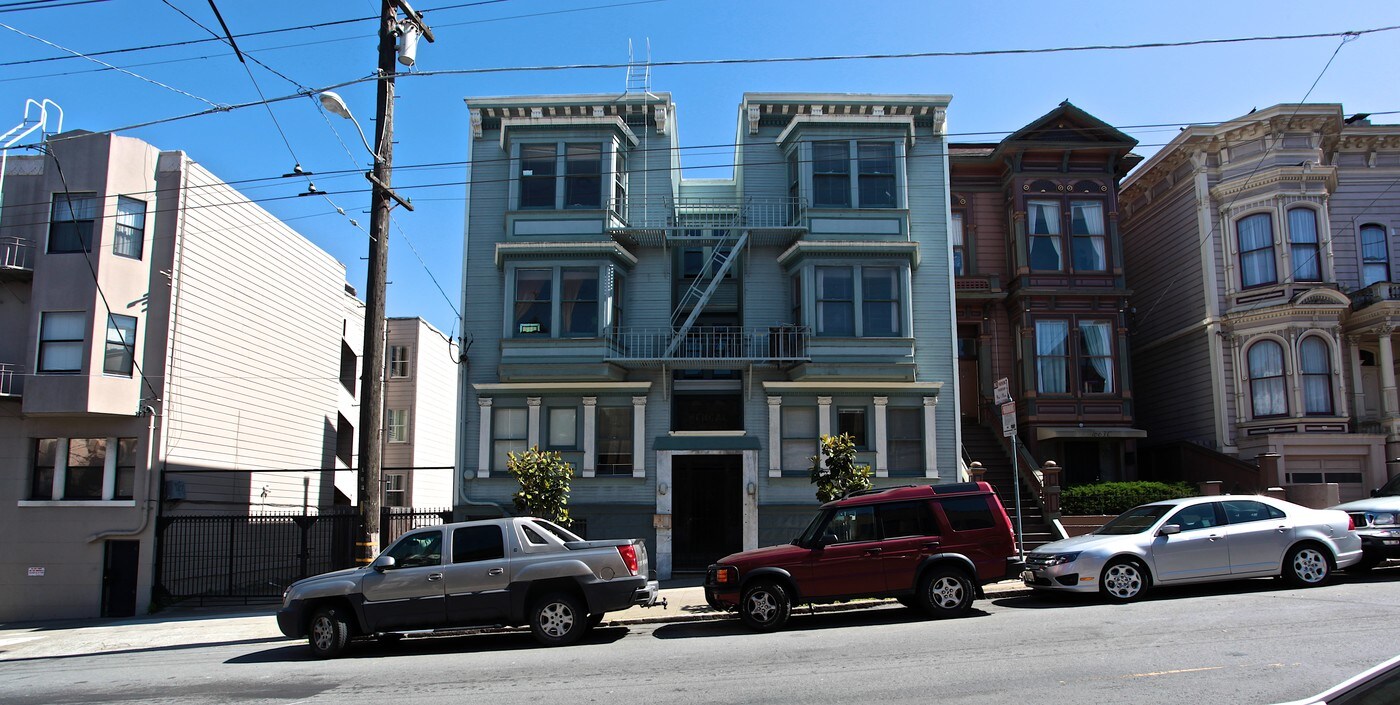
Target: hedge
1118,497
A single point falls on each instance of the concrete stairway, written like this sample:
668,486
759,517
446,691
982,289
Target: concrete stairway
984,445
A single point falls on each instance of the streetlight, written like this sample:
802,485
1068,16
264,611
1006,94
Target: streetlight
330,100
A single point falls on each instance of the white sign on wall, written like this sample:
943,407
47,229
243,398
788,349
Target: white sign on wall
36,572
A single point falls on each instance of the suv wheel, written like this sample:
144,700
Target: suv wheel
329,633
945,592
1123,580
765,606
558,619
1305,566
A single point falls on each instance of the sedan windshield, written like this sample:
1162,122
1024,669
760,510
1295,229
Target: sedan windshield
1135,520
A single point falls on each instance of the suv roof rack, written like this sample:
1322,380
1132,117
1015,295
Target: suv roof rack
955,487
875,490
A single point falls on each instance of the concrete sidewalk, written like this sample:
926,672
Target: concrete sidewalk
190,627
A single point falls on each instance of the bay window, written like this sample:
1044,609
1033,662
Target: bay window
537,175
1087,236
1266,379
876,178
877,300
1095,357
533,302
578,302
874,167
1052,357
1256,245
558,176
583,182
1043,229
1303,245
835,302
831,175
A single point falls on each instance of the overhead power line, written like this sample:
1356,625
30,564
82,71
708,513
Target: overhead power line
43,5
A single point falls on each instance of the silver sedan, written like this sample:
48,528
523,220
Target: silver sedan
1198,539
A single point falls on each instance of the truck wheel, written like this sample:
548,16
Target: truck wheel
945,592
765,606
329,632
558,619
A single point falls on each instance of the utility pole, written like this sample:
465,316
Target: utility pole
372,376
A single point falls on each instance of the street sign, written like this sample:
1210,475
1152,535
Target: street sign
1001,391
1008,419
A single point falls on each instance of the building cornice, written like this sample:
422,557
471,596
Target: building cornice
578,387
1301,176
553,250
851,248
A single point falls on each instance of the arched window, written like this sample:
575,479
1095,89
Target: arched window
1266,380
1303,245
1256,233
1315,363
1375,255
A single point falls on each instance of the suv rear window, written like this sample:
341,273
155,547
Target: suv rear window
968,513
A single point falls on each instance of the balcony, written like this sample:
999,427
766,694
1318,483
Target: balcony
670,221
1374,294
709,347
16,258
11,380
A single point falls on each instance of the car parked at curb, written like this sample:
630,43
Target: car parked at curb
1377,523
498,572
1195,540
932,547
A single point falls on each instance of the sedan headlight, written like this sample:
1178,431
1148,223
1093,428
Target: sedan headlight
1062,558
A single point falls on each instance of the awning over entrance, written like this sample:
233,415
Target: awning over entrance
1047,433
707,442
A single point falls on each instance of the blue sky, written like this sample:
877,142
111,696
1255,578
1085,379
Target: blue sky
993,95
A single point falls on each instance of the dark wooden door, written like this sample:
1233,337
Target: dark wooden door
707,512
120,565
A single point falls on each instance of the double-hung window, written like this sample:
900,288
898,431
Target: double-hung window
510,433
1088,244
1303,245
61,341
583,172
831,174
84,469
533,302
1052,357
619,183
578,302
537,170
905,428
614,440
874,166
1096,357
1375,255
581,167
880,316
851,422
836,314
563,428
800,434
877,299
1266,379
130,231
1315,363
398,361
395,489
1043,229
577,314
1256,238
120,354
71,222
398,425
955,233
876,180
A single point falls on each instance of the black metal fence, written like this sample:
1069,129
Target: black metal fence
223,557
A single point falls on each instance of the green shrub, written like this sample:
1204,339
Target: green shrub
837,474
544,484
1119,497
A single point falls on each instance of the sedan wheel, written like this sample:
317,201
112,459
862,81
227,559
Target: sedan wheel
1305,566
1123,581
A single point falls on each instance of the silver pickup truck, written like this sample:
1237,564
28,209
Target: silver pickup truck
499,572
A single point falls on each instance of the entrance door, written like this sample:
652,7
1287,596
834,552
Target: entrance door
120,563
1082,463
969,388
707,510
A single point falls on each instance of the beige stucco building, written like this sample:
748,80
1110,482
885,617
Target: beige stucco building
420,414
167,346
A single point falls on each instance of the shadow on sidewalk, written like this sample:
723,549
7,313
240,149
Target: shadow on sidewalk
802,620
146,650
494,641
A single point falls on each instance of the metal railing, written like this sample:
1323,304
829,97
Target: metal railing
11,380
695,215
16,253
1375,293
738,343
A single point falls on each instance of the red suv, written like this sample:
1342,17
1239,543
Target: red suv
930,546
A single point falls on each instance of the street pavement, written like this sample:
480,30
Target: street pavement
186,626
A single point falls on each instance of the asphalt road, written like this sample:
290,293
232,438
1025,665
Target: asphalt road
1250,642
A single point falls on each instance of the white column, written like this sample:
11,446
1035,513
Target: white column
532,434
775,436
639,436
109,470
1387,363
1358,389
60,468
882,444
823,422
590,436
931,438
483,451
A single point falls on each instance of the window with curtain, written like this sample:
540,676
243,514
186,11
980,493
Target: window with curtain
71,222
831,174
1256,239
1052,357
955,233
835,301
1315,361
130,229
120,354
1266,379
533,300
583,176
879,302
1303,246
578,302
1043,229
537,169
1087,236
509,433
61,341
1096,357
1375,255
876,178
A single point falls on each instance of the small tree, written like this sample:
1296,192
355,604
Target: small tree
544,484
841,475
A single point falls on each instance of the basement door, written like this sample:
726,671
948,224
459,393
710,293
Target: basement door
707,510
121,561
